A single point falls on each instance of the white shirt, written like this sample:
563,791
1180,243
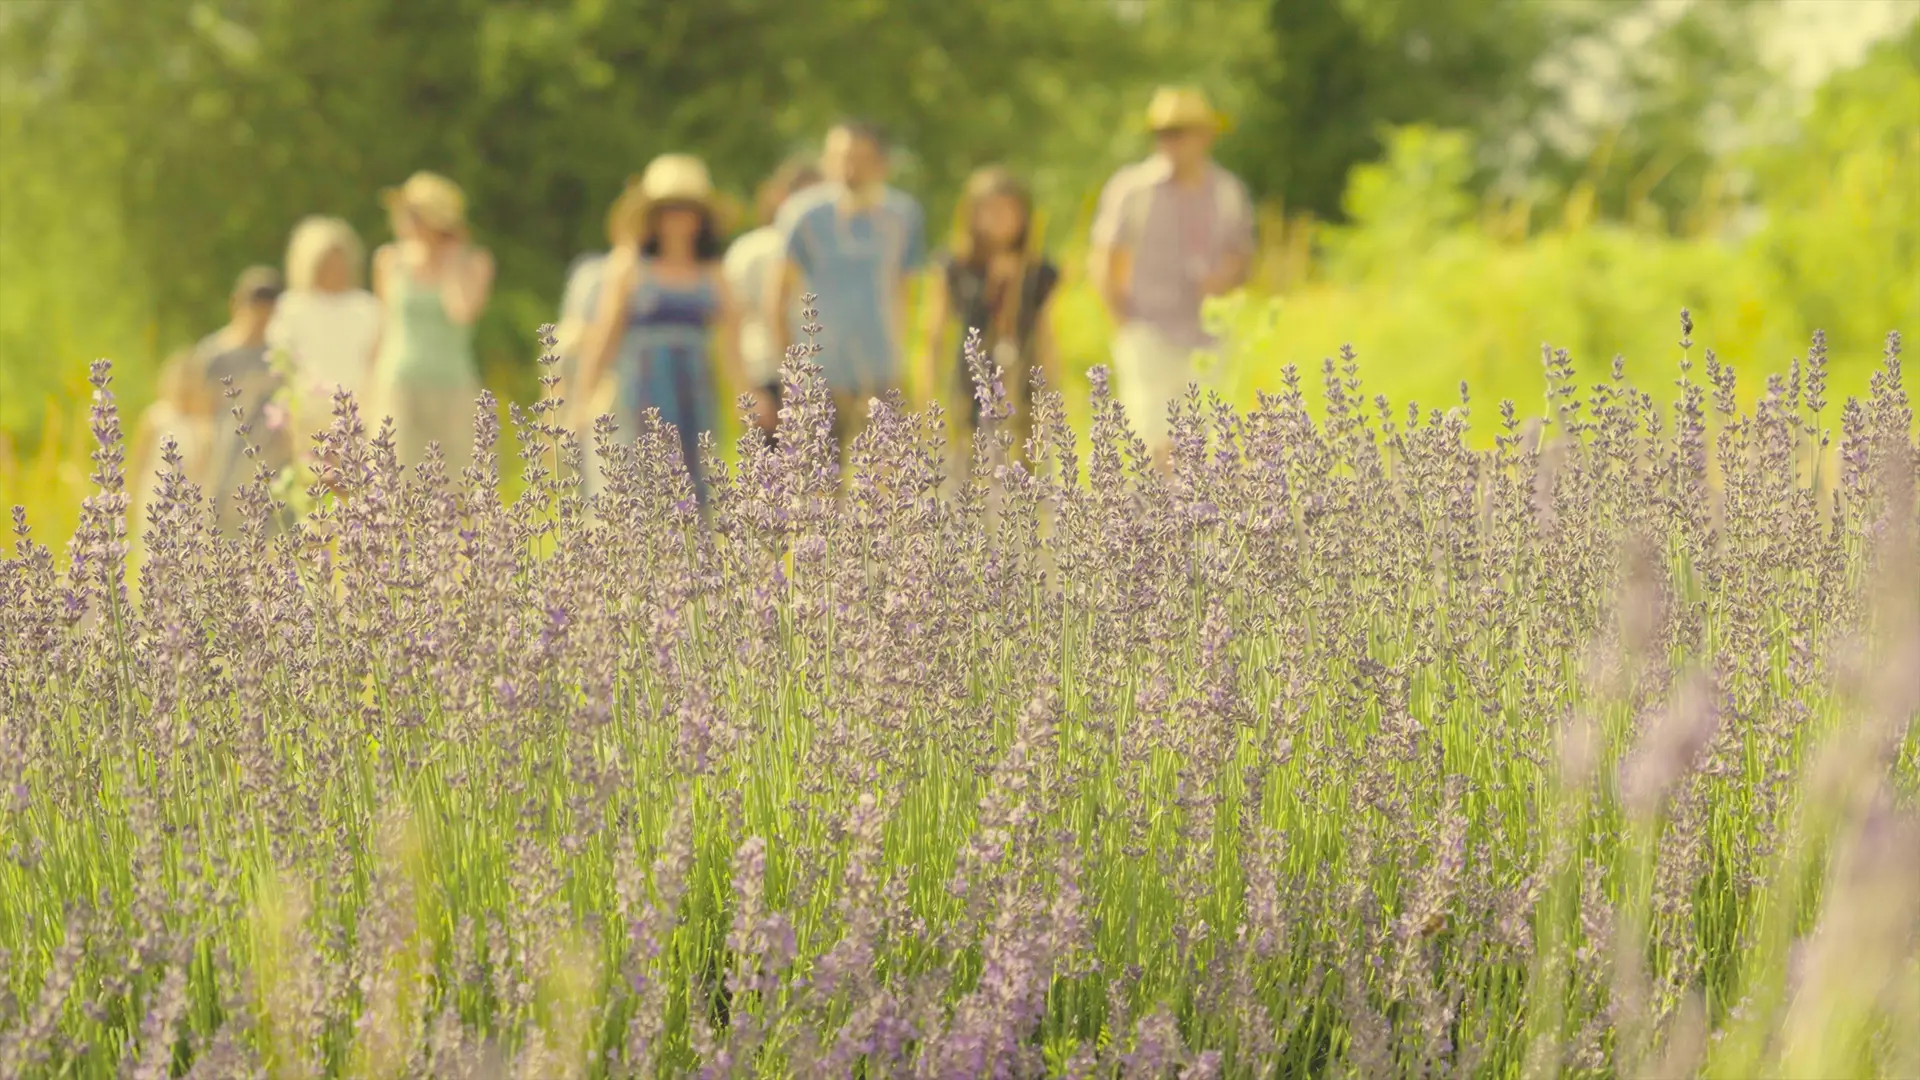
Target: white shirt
748,269
330,338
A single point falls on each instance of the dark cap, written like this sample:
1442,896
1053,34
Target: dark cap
258,284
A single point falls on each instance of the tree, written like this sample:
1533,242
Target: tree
1341,71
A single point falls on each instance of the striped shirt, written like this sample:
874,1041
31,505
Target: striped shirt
1177,237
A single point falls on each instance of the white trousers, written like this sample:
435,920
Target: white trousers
1151,373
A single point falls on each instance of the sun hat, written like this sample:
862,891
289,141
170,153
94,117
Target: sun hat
680,179
434,199
1180,108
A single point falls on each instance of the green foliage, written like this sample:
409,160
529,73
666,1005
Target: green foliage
1683,97
68,290
1457,295
1340,71
1842,228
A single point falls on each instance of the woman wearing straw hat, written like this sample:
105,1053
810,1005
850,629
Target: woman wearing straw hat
994,281
659,302
433,285
1170,232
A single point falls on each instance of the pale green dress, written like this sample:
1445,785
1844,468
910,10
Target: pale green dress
426,376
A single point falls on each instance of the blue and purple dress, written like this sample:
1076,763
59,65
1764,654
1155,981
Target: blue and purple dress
664,361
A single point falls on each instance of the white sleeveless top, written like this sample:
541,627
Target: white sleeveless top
330,338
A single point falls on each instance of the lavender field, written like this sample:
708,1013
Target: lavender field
1344,749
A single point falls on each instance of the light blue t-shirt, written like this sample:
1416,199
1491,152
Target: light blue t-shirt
855,264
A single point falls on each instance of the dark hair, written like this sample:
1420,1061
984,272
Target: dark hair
258,285
861,128
984,184
706,245
794,174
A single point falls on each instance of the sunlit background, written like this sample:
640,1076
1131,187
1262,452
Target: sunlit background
1449,184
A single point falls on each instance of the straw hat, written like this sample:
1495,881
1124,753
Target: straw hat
680,178
669,178
434,199
1177,108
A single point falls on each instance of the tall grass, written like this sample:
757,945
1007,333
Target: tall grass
1345,748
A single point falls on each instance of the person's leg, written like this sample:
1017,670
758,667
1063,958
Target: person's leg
402,404
771,434
1149,374
453,424
686,404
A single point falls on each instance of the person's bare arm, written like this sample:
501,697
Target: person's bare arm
382,274
1234,270
1236,267
726,340
609,317
1231,275
464,289
779,301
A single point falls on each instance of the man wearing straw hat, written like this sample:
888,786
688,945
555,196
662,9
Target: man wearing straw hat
1169,232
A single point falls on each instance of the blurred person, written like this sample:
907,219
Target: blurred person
753,266
183,408
1170,231
433,283
193,407
576,317
993,281
664,322
852,241
326,322
238,357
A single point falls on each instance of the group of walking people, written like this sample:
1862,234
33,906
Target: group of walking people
403,348
671,318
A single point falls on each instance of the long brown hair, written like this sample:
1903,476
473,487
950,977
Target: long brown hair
990,182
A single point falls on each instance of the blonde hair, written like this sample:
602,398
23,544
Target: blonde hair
313,240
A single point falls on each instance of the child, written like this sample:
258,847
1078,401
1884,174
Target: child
184,409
